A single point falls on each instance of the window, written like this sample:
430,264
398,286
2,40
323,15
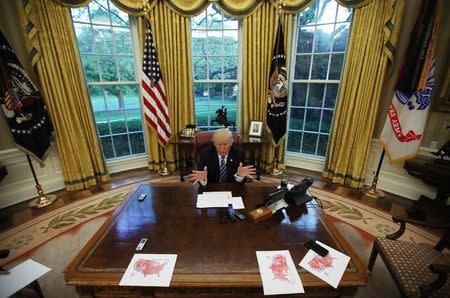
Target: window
322,34
105,43
215,66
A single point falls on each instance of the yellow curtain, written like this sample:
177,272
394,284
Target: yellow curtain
52,47
173,45
260,30
373,39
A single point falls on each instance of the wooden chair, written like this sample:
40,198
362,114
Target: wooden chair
204,138
419,270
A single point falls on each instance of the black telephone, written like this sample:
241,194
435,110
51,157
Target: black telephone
297,194
273,197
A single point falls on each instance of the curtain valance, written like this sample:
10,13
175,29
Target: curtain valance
234,8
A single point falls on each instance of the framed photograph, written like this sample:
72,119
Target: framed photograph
255,128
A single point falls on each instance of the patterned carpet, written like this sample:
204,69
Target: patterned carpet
45,239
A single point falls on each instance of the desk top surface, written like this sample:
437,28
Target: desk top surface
209,253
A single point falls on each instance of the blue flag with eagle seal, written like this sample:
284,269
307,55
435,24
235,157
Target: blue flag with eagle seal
278,91
22,106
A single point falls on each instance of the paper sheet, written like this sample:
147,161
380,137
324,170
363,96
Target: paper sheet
149,270
215,199
329,268
278,273
20,276
237,203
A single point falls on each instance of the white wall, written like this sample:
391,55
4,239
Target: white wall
19,184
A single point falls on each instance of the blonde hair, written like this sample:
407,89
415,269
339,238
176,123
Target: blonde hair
222,135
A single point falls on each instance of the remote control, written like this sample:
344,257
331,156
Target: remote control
141,244
142,197
320,250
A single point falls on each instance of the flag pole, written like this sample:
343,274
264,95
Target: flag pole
164,170
372,191
42,200
276,171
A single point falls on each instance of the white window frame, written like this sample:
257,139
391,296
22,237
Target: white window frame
132,161
237,81
298,159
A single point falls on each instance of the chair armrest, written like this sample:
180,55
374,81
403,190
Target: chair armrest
401,230
442,270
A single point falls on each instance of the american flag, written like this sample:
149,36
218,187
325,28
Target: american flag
153,92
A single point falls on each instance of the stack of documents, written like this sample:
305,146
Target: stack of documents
218,199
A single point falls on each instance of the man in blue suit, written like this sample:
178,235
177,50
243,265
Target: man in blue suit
221,162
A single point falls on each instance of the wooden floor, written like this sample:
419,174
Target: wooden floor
17,214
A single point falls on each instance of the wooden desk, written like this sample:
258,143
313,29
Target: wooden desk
431,170
185,150
213,259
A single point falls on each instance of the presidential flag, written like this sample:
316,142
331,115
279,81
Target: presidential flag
23,107
153,92
406,118
278,91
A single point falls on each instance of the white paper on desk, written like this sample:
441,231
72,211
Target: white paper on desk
237,202
329,268
211,202
20,276
278,273
149,270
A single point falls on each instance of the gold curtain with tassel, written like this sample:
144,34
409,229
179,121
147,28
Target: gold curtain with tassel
173,45
260,30
372,42
53,51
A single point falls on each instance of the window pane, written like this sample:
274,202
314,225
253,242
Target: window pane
214,68
296,118
103,40
294,141
230,94
308,16
309,143
336,66
315,96
330,95
322,33
323,40
108,68
107,147
305,40
118,17
230,42
137,143
326,121
319,67
326,12
121,145
199,65
85,38
230,67
344,14
215,59
340,37
107,57
99,12
299,94
322,147
214,17
122,40
214,44
90,67
126,68
302,66
80,14
312,120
